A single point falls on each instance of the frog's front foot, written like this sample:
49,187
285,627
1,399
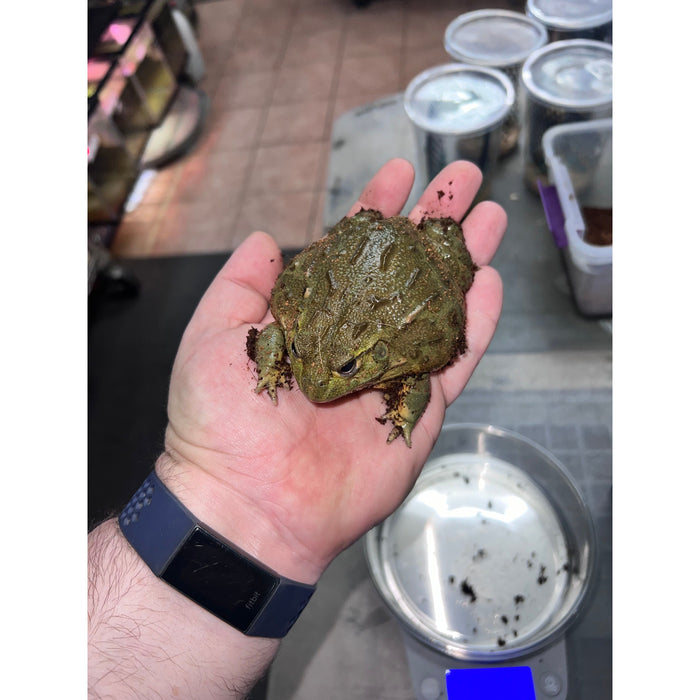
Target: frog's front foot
267,349
405,402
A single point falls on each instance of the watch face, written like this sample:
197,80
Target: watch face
220,579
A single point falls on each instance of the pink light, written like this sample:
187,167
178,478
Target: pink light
97,70
119,31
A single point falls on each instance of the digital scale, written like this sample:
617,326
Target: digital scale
540,677
486,564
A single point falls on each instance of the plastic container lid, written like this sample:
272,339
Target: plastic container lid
493,37
576,73
459,99
571,14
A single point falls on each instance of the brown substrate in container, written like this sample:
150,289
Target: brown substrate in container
598,225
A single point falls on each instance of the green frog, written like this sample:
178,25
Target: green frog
376,303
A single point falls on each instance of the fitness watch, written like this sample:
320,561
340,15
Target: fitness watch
207,568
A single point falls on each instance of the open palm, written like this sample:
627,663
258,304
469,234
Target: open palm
301,477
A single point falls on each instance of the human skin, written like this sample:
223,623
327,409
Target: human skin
293,484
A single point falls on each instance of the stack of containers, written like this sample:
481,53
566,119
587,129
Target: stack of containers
458,112
509,80
574,19
566,81
498,39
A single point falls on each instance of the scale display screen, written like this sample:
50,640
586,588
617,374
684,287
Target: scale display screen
500,683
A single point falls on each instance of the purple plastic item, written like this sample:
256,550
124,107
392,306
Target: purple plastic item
553,213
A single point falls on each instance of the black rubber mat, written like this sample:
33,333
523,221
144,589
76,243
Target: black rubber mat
132,343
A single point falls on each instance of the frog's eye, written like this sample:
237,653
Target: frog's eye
293,350
349,369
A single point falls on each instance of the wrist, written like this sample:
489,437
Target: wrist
164,638
235,517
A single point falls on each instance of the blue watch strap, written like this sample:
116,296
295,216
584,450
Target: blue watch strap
155,523
206,567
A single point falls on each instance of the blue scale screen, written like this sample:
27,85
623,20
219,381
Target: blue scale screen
501,683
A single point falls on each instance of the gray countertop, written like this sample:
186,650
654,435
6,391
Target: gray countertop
547,375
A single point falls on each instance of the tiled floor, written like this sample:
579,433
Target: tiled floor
279,72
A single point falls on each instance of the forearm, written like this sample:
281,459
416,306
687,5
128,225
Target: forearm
147,640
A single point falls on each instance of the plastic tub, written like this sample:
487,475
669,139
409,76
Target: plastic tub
579,161
564,82
458,112
498,39
574,19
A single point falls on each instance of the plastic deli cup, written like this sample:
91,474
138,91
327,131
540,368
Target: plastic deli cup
498,39
458,113
568,81
574,19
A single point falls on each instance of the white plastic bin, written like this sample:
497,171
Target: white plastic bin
579,163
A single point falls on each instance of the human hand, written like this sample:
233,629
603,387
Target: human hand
296,483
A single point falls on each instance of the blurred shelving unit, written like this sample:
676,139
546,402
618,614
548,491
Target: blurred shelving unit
144,108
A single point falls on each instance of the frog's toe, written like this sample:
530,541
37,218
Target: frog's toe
272,380
400,430
271,386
